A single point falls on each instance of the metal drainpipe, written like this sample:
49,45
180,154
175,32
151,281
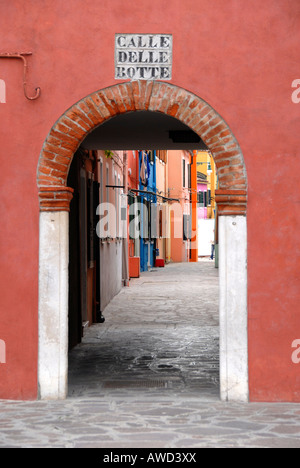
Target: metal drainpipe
21,56
194,241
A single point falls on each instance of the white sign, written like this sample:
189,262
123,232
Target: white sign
143,56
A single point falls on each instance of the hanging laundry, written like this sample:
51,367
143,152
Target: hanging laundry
148,167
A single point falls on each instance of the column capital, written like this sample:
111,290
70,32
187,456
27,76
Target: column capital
55,198
231,202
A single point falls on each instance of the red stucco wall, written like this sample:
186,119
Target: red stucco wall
241,57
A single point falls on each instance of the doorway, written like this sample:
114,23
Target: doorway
160,338
162,333
62,141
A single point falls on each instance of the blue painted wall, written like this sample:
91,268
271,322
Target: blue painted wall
147,246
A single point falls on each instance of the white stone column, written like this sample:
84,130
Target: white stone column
233,308
53,305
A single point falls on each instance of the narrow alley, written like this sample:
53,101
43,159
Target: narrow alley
160,335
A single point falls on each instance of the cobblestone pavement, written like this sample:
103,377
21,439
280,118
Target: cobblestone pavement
148,377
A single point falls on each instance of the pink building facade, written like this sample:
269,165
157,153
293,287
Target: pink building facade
178,180
202,209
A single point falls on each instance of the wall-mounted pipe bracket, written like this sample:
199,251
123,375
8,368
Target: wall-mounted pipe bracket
22,56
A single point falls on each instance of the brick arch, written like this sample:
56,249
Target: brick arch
77,122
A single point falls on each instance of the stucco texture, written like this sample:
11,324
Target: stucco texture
241,58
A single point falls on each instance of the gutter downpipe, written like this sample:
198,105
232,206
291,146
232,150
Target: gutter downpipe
194,240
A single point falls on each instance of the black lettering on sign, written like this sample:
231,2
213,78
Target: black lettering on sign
143,56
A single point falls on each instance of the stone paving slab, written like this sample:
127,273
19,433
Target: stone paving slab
149,421
148,378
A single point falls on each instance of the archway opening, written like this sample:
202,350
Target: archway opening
172,295
62,142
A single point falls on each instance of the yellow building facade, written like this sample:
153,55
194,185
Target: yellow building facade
206,166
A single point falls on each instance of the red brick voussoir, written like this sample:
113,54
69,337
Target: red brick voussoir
77,122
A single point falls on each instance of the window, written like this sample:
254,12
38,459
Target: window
145,217
132,216
101,181
200,199
107,183
116,203
189,176
154,221
209,197
160,232
203,199
187,227
183,172
119,208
